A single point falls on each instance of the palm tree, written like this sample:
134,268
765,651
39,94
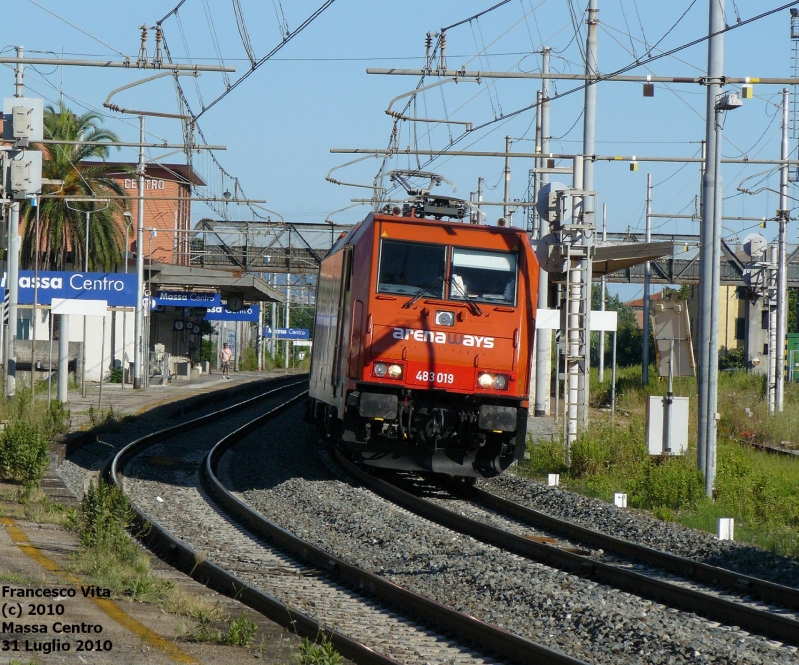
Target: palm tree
62,223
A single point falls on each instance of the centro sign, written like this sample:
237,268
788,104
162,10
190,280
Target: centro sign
132,183
118,289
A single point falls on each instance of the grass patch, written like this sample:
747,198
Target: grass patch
107,421
759,490
111,559
239,632
108,556
319,652
15,578
25,440
195,607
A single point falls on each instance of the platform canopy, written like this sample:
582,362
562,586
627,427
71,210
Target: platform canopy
610,258
248,287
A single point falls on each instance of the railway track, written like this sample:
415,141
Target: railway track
505,524
288,579
307,495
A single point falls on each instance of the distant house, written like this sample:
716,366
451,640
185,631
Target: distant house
732,315
638,307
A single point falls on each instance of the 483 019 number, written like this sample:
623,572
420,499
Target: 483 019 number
435,377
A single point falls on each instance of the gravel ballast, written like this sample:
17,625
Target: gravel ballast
640,528
295,487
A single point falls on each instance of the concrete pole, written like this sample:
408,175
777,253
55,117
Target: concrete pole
715,70
589,117
50,362
506,199
37,202
288,309
602,297
543,346
537,163
577,282
782,273
63,359
138,333
647,280
260,337
273,282
238,346
85,318
713,347
533,232
13,258
589,135
771,299
102,364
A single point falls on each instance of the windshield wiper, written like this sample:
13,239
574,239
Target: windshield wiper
473,306
422,292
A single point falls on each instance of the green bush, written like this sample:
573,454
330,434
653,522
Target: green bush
312,653
24,452
105,516
603,448
239,632
759,490
57,419
249,360
674,484
546,457
208,351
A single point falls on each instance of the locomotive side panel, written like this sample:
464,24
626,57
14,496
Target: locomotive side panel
360,288
329,324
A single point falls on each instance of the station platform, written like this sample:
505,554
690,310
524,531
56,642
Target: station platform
127,401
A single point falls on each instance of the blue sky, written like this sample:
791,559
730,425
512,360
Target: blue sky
314,95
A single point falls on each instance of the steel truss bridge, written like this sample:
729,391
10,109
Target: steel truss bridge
298,248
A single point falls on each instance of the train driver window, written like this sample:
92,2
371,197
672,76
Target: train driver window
483,276
411,268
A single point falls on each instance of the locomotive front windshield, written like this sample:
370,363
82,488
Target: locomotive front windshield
412,268
483,276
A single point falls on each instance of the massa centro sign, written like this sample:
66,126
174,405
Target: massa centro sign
118,289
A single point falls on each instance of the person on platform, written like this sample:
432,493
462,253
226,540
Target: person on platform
224,356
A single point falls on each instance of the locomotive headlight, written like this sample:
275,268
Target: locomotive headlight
500,382
395,371
444,318
485,381
380,369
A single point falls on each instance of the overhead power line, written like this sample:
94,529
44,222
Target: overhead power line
287,38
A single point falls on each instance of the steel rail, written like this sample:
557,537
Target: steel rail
215,577
764,623
772,592
462,625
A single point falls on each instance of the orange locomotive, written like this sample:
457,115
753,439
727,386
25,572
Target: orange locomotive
422,342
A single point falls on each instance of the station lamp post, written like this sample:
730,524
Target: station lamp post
723,102
87,213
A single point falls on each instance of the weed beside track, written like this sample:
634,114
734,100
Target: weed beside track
759,490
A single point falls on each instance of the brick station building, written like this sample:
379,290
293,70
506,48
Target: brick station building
167,208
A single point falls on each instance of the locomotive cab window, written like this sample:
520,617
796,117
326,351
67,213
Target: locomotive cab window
483,276
412,268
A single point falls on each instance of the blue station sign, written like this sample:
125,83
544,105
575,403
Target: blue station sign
182,299
288,333
119,289
222,313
